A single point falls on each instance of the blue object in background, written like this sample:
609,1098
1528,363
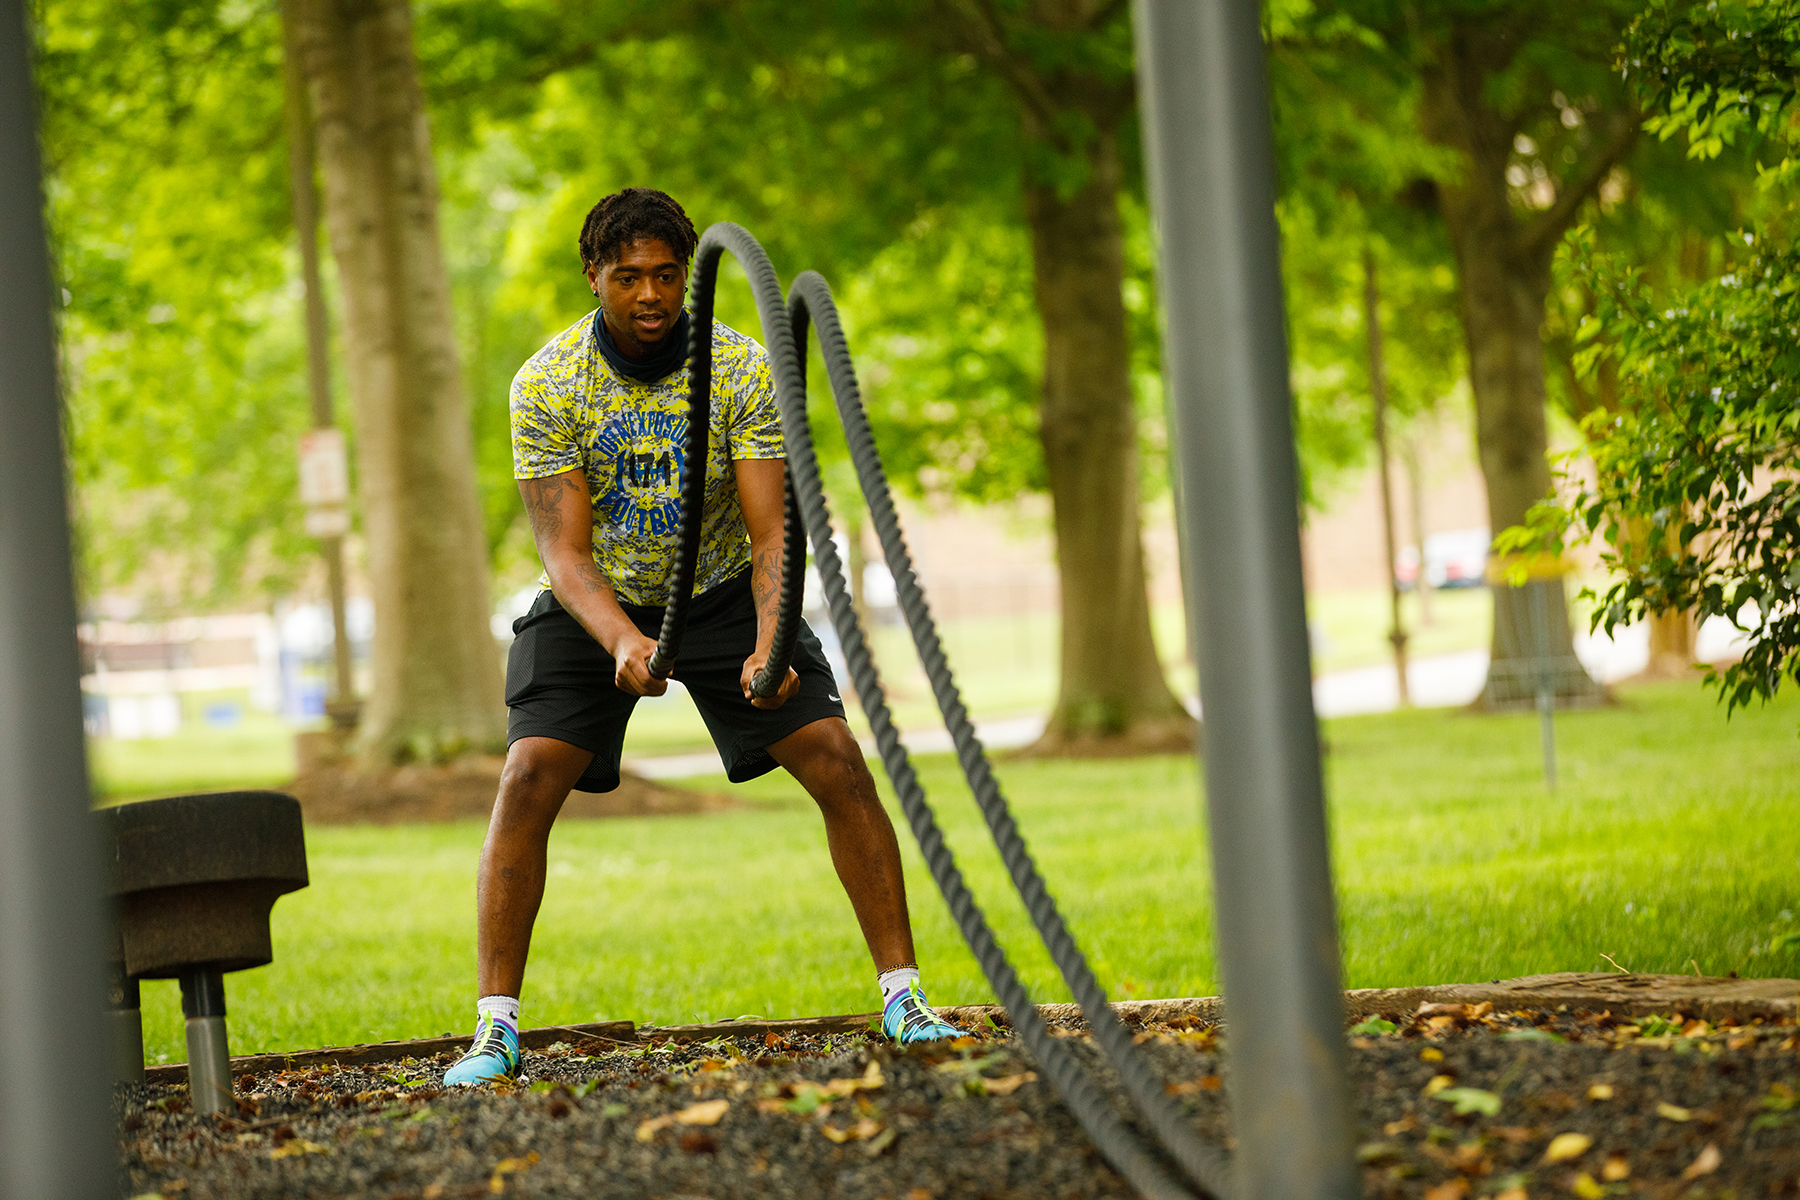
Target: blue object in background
225,714
309,699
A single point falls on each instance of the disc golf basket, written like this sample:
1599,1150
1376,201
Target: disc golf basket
192,880
1534,623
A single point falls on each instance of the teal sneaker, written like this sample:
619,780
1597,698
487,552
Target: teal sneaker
494,1058
908,1018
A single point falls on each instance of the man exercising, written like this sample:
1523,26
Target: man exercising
599,423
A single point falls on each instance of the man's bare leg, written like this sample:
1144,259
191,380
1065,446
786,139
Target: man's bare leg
509,884
829,764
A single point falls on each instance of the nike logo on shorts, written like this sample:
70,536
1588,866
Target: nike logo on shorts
829,696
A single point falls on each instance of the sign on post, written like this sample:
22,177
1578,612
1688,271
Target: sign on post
325,483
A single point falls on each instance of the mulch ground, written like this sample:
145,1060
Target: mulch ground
1454,1101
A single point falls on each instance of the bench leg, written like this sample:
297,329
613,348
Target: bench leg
209,1056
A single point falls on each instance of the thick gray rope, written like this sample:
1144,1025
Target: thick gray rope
811,296
789,382
806,508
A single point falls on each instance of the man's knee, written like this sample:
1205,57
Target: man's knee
537,777
826,759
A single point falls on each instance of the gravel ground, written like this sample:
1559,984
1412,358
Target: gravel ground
1550,1104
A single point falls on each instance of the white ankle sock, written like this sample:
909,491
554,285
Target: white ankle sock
894,982
500,1008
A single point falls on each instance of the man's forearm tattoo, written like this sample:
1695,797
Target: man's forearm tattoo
593,578
765,586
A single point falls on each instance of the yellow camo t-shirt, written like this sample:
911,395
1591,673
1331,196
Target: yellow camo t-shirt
570,409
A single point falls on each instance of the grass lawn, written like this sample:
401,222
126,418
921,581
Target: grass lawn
1674,839
258,752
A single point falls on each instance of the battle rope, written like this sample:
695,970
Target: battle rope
810,302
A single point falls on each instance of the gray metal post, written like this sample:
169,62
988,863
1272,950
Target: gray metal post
1546,674
56,1138
1204,97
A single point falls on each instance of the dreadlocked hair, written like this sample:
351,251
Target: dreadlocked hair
631,215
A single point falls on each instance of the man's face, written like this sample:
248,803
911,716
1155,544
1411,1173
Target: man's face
640,294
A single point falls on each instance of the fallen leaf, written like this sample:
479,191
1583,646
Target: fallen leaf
1440,1010
1438,1083
1454,1189
1470,1100
707,1112
863,1129
298,1146
1706,1164
1009,1084
1673,1112
805,1101
1441,1024
1374,1154
1565,1146
653,1126
1403,1125
506,1166
1372,1026
1431,1054
1600,1091
1584,1185
1616,1168
1206,1083
881,1141
1515,1192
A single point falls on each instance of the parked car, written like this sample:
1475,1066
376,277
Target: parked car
1456,558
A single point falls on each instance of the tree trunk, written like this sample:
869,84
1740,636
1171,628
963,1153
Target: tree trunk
1503,312
437,687
1112,698
1503,269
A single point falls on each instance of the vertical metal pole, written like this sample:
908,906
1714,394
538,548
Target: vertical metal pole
1204,97
1546,676
56,1138
1378,390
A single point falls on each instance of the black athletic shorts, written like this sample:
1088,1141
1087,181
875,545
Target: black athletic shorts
559,683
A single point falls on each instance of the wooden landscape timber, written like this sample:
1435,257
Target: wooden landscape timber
1626,995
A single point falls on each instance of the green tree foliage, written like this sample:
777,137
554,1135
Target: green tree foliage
1703,452
181,333
885,159
1355,172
